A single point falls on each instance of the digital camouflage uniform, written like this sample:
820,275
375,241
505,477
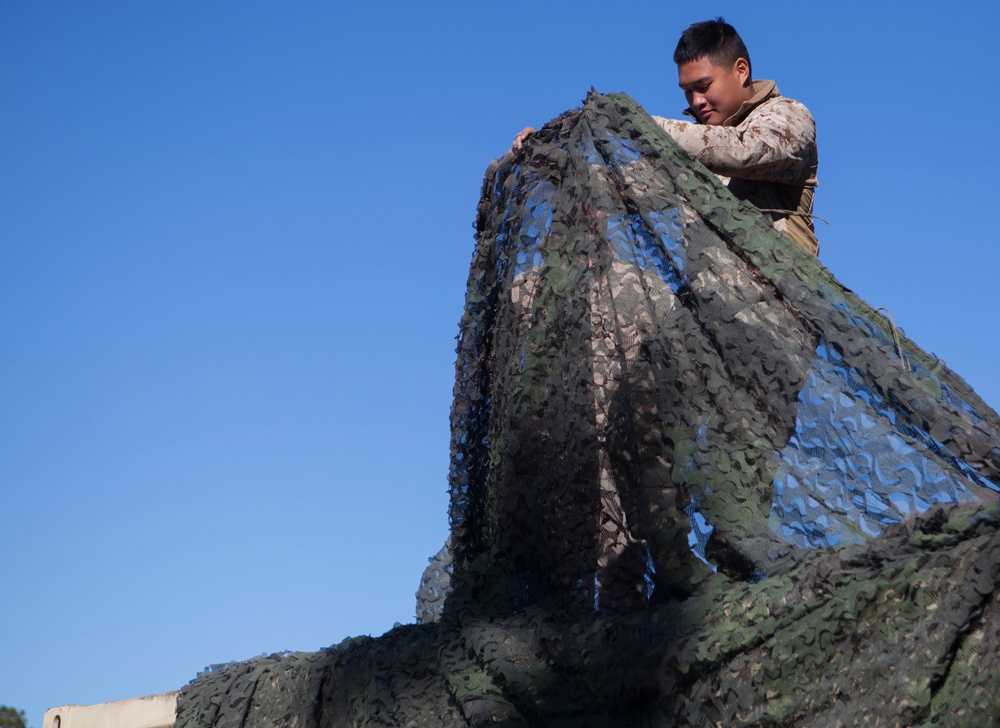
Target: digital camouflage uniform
765,154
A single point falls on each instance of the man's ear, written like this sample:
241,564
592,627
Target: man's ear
742,70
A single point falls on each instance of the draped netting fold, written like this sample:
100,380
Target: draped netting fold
694,481
653,385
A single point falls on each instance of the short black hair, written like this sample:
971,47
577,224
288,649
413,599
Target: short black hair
716,40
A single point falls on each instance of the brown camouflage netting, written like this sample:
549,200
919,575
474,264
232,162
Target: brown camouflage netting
695,481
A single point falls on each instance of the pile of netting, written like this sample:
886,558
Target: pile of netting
694,482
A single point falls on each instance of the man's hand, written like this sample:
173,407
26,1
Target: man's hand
522,137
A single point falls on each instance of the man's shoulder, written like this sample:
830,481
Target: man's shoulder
783,102
776,101
780,109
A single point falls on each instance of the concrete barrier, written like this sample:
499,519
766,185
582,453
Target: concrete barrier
149,711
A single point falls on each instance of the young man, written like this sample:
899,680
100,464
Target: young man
761,144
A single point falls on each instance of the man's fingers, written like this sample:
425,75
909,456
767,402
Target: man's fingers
523,136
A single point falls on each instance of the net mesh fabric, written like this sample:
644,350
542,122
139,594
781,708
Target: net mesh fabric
694,481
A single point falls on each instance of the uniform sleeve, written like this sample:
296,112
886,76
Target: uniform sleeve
776,143
673,127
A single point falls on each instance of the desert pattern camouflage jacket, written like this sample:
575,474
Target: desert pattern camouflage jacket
765,154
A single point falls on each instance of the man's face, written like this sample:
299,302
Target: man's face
714,93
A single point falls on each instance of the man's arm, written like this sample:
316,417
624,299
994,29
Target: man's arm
776,144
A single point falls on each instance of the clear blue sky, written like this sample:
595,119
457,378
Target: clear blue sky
234,238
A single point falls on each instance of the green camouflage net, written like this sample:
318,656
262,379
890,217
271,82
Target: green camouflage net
695,482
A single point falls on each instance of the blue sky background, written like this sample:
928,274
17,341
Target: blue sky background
234,238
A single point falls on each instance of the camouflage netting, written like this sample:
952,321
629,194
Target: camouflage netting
695,482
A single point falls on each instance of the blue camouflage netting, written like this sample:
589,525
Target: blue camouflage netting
694,482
